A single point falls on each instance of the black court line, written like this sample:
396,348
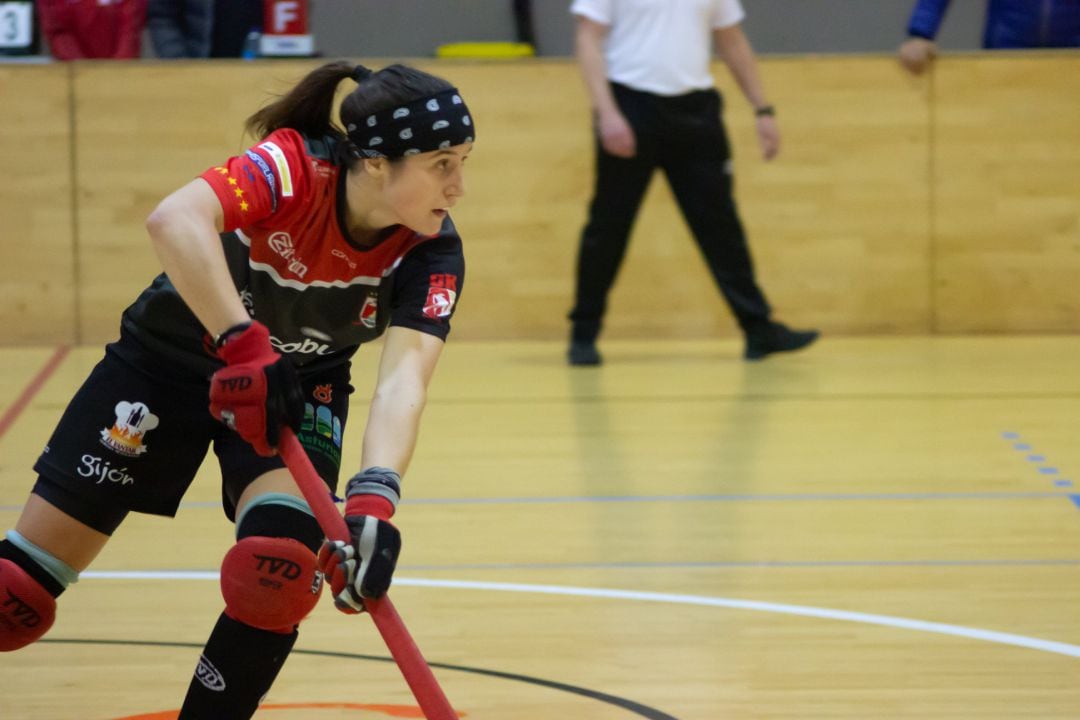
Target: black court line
633,707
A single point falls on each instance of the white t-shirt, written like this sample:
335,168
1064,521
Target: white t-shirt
660,46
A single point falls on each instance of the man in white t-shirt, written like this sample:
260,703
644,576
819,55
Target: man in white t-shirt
646,65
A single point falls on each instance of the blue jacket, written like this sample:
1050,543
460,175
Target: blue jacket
1010,23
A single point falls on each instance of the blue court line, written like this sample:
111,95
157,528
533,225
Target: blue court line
751,564
728,498
1043,469
783,497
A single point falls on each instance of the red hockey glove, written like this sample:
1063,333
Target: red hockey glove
362,568
257,391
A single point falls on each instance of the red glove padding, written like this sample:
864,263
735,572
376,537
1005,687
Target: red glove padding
257,391
363,567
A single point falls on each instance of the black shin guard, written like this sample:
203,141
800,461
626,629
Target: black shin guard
235,671
240,662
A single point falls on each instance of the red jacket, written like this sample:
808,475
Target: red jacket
93,28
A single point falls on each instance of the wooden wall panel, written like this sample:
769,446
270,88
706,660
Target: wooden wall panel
840,224
1007,177
839,221
37,293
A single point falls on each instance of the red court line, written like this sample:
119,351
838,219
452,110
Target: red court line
28,393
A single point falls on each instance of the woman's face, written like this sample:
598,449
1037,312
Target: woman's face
422,188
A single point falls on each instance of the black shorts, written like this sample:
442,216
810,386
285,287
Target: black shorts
138,429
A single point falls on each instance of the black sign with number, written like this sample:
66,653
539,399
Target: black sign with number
18,28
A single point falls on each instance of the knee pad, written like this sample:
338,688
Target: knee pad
270,579
27,610
270,583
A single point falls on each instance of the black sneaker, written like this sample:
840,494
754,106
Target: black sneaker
582,352
775,338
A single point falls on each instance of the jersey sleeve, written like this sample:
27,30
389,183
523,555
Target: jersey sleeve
926,18
600,11
264,181
727,13
428,285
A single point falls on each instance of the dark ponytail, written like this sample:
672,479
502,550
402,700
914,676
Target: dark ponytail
306,108
393,85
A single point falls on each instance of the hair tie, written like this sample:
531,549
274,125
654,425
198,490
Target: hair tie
361,73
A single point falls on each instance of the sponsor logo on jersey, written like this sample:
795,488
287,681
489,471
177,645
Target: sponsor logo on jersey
102,471
442,294
282,244
342,256
133,421
282,164
209,676
323,393
268,176
368,312
307,347
320,432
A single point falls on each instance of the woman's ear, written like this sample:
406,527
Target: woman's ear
377,168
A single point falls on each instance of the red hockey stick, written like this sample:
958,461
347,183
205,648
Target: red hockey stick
406,654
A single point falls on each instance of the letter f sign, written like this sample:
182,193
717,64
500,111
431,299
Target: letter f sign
286,12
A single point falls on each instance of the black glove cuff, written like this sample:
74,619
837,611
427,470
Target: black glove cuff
226,334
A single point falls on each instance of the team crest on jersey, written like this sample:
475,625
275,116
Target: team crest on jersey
442,294
133,421
368,312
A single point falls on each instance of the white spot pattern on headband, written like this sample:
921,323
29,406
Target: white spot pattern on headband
456,99
412,151
444,144
468,139
405,134
371,121
432,104
401,112
352,127
375,141
466,120
440,124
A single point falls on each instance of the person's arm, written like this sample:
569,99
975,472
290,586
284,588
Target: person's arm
184,230
129,40
163,19
616,135
362,567
405,368
56,27
737,53
916,53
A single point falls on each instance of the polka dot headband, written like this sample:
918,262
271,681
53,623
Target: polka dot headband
433,123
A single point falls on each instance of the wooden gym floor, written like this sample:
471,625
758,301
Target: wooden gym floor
875,528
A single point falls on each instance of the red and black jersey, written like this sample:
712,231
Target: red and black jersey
296,268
